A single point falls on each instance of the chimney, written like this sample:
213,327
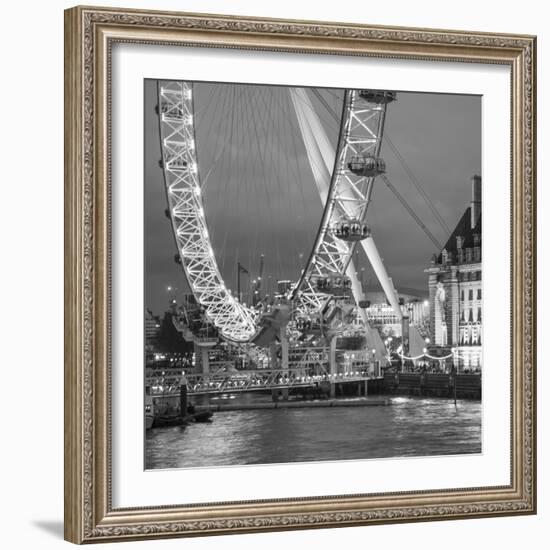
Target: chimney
475,205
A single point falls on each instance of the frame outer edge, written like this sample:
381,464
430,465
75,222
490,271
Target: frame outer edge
534,271
88,517
73,372
529,223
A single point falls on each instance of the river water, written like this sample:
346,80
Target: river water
409,426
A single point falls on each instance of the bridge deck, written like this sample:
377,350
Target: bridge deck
169,382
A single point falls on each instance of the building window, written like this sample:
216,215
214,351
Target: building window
479,314
461,295
479,293
470,294
471,316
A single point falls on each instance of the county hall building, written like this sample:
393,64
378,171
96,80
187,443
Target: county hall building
455,290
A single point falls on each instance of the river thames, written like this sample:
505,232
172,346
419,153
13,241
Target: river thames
408,426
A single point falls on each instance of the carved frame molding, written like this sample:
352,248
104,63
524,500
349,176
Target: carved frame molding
89,36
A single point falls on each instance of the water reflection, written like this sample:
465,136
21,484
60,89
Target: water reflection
408,427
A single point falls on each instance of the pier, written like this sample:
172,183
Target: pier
463,386
167,382
296,404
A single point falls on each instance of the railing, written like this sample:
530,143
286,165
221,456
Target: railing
308,355
169,381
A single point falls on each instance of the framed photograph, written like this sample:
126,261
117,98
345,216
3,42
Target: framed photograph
300,274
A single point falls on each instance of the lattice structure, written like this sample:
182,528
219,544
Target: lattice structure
168,382
349,195
235,321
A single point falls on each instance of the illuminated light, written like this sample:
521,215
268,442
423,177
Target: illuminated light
188,94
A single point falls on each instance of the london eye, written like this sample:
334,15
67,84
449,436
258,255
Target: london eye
343,170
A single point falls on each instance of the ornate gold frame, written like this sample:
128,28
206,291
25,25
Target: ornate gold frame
89,34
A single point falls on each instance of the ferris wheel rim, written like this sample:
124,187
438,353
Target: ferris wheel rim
329,203
339,175
245,316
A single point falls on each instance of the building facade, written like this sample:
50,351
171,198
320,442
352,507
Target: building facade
152,330
455,289
381,315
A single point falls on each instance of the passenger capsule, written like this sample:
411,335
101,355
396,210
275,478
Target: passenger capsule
367,166
333,284
380,97
351,230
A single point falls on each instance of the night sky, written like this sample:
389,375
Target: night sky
260,196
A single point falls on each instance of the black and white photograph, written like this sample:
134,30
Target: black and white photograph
313,274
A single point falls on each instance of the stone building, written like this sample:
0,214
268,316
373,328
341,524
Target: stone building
152,330
455,289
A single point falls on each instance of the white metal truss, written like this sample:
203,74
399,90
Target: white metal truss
235,321
168,382
349,195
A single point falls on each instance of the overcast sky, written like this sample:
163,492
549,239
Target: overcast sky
260,196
